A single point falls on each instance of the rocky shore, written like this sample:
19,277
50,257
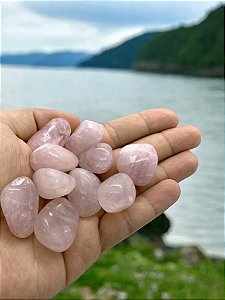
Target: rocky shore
172,68
144,270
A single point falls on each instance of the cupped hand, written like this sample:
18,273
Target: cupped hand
31,271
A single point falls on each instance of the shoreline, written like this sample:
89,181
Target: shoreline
172,68
197,73
191,253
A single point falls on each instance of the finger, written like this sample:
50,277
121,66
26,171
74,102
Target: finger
24,123
180,166
177,167
116,227
125,130
172,141
167,143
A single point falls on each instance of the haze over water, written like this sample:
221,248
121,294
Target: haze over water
101,95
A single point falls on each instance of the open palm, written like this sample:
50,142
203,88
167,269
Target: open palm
28,269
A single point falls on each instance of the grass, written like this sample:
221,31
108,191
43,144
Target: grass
136,272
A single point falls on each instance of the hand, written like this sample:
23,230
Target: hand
31,271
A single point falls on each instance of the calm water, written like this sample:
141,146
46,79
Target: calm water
102,95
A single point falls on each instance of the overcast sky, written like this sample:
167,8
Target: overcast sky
89,25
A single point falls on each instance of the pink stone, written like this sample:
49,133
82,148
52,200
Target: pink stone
116,193
19,202
53,156
97,159
56,225
85,195
57,131
139,161
52,183
85,136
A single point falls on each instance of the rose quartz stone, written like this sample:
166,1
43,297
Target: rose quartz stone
85,195
85,136
53,156
116,193
57,131
139,161
98,159
56,225
19,202
52,183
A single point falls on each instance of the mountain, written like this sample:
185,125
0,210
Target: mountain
197,49
55,59
121,56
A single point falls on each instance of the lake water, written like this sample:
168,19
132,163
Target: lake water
101,95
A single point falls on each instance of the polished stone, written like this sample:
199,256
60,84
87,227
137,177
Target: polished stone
85,136
57,131
53,156
56,225
139,161
20,202
116,193
85,195
97,159
52,183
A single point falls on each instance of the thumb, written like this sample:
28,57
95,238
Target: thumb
24,123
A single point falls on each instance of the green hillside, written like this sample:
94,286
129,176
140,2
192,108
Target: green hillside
121,56
197,49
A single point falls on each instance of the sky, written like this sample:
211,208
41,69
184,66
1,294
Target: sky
90,26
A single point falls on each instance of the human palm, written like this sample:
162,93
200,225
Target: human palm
28,269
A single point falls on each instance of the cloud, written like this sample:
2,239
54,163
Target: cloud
87,25
23,31
122,13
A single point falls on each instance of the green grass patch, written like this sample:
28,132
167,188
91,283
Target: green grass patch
133,272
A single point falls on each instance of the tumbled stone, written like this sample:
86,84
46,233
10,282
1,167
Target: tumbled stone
85,136
19,202
56,225
52,183
116,193
57,131
97,159
139,161
85,195
53,156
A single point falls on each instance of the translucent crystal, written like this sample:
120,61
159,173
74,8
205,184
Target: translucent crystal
52,183
53,156
85,195
19,202
139,161
85,136
97,159
56,225
57,131
116,193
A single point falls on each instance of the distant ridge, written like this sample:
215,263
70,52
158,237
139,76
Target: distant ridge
55,59
120,57
196,50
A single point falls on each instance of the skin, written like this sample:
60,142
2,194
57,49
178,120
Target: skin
31,271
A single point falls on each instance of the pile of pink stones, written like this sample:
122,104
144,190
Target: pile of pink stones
71,192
